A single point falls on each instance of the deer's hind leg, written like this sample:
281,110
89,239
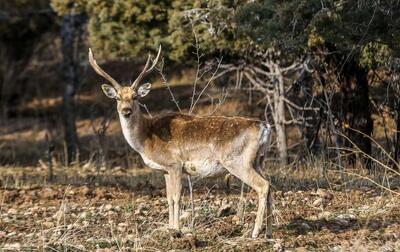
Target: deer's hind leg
251,177
169,192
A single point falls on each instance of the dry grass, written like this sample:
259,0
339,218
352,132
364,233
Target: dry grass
126,210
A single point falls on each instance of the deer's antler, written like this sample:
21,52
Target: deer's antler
146,68
101,72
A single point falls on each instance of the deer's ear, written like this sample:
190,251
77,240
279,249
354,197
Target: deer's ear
144,89
109,91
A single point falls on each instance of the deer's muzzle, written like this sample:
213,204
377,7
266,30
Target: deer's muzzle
126,112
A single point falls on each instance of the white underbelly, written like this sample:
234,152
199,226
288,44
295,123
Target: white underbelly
204,168
198,168
151,164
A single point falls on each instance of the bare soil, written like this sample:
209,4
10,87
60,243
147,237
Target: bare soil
92,217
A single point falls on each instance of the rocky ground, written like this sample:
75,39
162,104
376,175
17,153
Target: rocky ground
100,218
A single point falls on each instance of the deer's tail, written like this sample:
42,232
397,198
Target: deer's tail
265,142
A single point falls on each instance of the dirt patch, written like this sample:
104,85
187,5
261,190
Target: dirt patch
90,218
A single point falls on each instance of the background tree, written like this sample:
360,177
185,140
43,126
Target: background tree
71,30
342,40
32,20
340,36
122,28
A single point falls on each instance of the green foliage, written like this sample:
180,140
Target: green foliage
374,55
22,22
272,23
233,27
121,28
128,28
211,23
356,27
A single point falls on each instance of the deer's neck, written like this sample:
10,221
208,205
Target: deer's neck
134,129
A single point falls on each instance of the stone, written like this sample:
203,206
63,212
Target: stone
12,211
225,210
108,207
48,224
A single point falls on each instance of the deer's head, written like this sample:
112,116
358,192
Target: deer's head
126,95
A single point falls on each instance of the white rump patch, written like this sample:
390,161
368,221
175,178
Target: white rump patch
265,134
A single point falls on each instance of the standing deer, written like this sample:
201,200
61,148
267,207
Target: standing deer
178,143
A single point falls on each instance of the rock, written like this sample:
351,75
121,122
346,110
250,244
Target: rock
2,234
324,194
346,216
236,219
58,216
301,249
65,207
305,226
108,207
12,247
11,234
85,190
278,246
386,248
141,208
185,216
48,224
84,215
80,247
122,227
48,193
317,202
225,210
325,215
12,211
104,250
186,230
342,222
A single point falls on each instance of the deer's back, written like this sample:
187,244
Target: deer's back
200,144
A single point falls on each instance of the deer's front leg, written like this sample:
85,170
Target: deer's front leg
173,181
169,193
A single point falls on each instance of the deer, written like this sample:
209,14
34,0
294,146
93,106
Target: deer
201,146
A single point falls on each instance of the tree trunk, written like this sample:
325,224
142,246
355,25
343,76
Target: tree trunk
68,32
355,109
279,95
397,138
354,114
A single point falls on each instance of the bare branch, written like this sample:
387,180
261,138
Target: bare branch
205,87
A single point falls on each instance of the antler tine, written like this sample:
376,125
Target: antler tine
146,68
142,74
100,71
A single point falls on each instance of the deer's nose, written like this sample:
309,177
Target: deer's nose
126,112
